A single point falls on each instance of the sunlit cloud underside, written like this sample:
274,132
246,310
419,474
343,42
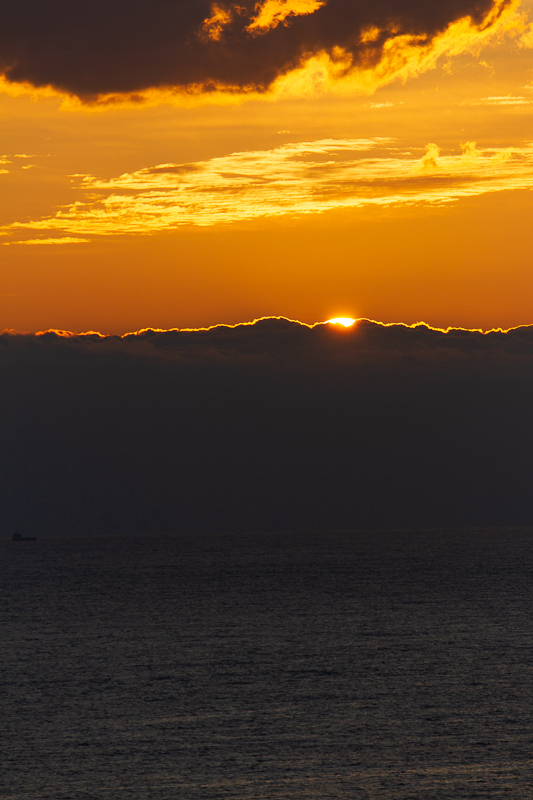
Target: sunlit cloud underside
313,70
295,179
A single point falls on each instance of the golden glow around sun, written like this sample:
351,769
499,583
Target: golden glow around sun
346,321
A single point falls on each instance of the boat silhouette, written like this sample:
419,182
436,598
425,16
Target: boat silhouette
18,538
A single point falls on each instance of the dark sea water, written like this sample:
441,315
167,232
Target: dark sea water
365,665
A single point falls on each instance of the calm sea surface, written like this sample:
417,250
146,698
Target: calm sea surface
364,665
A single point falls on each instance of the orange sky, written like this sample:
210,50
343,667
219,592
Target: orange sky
398,193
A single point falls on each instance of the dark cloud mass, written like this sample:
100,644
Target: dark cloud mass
268,426
91,47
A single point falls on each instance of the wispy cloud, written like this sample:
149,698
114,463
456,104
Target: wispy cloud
63,240
272,12
505,100
294,179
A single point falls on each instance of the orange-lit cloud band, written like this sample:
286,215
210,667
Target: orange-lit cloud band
295,179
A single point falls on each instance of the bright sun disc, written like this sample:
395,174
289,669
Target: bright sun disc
346,321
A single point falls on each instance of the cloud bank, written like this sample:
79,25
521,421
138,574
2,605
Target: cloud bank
299,178
272,425
93,48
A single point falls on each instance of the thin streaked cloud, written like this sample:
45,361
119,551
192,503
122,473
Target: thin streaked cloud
506,100
294,179
62,240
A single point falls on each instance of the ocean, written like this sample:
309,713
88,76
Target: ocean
393,665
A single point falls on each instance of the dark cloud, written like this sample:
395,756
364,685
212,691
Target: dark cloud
92,47
268,426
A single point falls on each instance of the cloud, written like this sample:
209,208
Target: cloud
506,100
272,12
63,240
299,178
271,425
93,49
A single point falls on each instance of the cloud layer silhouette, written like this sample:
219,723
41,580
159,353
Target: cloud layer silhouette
92,48
274,425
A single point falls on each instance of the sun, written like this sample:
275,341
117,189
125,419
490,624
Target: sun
346,321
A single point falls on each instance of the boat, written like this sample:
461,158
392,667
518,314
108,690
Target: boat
18,538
